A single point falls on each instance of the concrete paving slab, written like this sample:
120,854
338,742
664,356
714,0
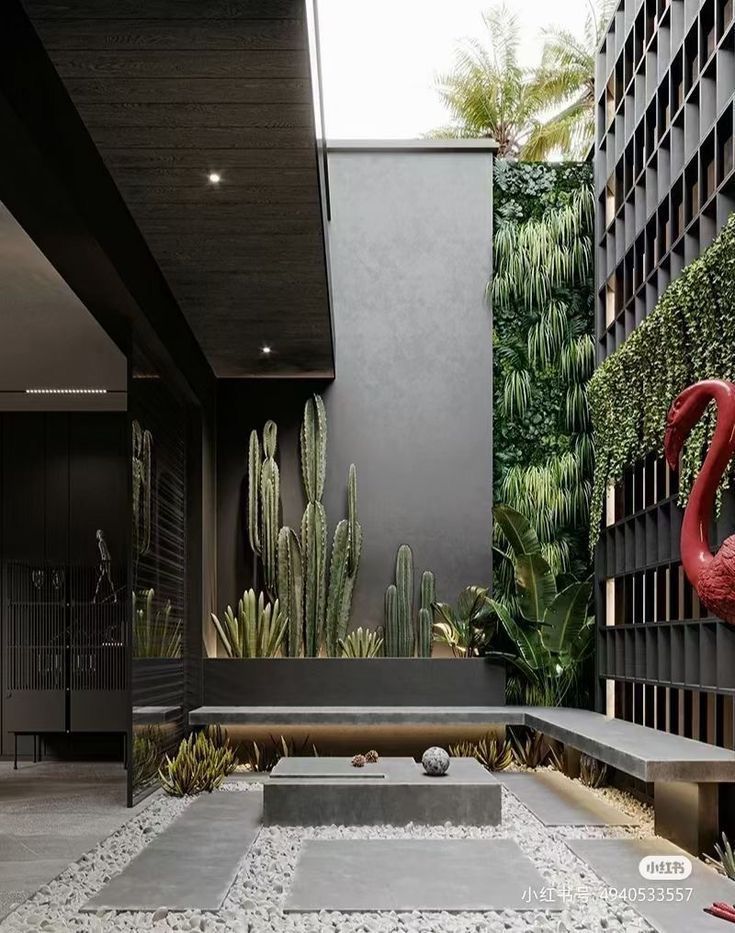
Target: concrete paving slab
193,862
669,906
557,801
28,848
317,768
412,874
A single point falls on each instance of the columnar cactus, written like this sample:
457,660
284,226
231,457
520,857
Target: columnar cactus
314,448
404,600
346,550
423,633
314,556
314,522
291,589
426,615
254,467
391,623
270,507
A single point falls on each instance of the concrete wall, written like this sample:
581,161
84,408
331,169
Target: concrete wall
410,242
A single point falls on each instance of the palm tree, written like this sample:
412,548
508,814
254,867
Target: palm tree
487,92
566,82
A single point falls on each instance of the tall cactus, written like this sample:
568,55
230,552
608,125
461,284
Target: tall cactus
254,467
391,623
426,615
314,554
291,589
423,633
270,507
314,523
404,599
346,550
314,448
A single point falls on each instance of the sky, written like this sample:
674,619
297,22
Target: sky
379,57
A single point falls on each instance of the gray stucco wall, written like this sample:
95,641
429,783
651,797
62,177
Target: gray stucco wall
410,242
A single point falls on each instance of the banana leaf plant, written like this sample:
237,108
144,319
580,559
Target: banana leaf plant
468,628
552,637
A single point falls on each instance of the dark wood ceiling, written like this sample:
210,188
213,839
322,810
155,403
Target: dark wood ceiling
171,90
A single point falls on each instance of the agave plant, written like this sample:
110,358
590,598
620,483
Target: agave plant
198,765
362,643
257,631
261,757
552,634
725,861
532,749
592,773
156,634
147,754
468,628
492,753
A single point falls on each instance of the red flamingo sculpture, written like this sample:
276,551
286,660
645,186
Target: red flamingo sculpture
711,575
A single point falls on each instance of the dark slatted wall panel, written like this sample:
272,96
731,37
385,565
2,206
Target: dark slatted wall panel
665,177
159,579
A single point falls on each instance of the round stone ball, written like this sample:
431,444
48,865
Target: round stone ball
435,761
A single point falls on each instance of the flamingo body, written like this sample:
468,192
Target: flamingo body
711,575
716,583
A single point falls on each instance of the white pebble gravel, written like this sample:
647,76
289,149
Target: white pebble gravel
255,901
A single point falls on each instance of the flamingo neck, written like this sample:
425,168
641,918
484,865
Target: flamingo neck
695,546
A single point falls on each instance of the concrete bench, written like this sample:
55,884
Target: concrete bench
691,780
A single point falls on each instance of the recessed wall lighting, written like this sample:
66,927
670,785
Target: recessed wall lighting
66,391
215,178
266,350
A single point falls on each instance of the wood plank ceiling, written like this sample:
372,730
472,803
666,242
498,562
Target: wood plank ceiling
173,90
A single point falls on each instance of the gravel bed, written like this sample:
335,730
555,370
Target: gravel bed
254,903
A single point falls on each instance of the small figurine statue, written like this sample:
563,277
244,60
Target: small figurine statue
104,573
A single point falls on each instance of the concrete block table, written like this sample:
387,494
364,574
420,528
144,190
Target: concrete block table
319,791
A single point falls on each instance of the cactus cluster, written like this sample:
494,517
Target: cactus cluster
403,637
316,604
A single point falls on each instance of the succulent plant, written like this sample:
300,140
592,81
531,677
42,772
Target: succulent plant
261,756
725,861
423,634
346,549
592,773
492,753
391,622
358,761
198,765
371,757
313,442
254,468
404,600
291,589
257,631
362,643
270,507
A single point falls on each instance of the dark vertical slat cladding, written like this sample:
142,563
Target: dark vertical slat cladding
159,668
665,187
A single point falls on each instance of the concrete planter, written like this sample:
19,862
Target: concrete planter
293,682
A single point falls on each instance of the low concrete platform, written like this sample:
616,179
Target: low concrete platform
281,717
412,874
296,795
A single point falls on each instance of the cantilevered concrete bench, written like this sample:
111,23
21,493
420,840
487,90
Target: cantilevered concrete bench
686,775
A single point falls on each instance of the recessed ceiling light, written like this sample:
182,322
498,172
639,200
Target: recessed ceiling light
215,178
266,350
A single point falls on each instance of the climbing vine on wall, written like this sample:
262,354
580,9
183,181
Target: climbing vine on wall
689,335
542,294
